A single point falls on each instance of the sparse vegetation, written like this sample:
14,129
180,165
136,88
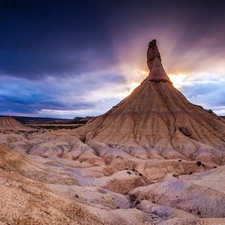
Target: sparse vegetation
137,202
55,127
74,158
132,197
176,175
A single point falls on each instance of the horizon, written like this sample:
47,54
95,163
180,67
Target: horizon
65,60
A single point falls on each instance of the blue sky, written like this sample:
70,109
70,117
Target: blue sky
77,58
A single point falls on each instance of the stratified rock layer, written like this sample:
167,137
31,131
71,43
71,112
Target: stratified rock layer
157,72
9,123
156,119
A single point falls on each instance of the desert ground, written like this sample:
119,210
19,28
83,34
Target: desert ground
51,178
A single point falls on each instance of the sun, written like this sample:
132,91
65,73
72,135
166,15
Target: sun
142,74
178,79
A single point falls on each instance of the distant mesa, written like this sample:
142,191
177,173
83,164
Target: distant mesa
76,119
9,123
86,119
156,120
81,120
40,120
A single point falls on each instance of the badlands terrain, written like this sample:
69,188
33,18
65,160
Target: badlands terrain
154,158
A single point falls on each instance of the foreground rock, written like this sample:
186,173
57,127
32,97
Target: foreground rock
38,190
35,201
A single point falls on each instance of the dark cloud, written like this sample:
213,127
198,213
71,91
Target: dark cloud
35,66
72,55
40,38
50,38
15,103
30,96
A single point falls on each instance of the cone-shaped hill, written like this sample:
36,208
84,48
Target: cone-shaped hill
156,120
9,123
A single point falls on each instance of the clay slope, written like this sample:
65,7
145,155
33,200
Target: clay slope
156,119
9,123
176,200
101,186
35,193
200,194
15,162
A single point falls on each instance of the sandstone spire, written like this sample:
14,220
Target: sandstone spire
157,72
156,120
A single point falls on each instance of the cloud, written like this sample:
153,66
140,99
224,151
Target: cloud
52,38
34,66
91,93
207,91
84,57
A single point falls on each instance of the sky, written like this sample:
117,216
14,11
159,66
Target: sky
67,58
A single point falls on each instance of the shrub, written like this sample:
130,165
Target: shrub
132,197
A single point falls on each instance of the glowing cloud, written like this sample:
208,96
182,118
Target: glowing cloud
178,79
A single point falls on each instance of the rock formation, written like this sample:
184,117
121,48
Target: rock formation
9,123
156,120
33,192
157,72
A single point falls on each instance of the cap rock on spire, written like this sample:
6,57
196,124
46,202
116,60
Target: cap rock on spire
157,72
